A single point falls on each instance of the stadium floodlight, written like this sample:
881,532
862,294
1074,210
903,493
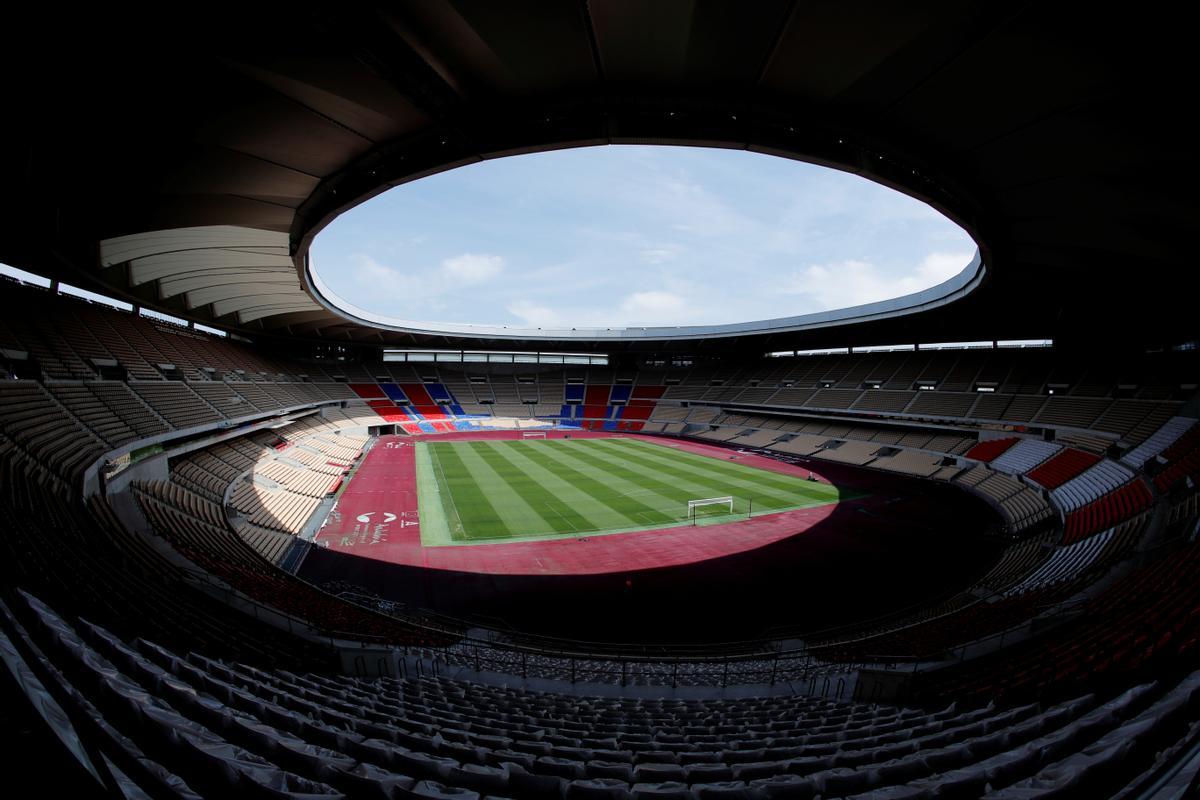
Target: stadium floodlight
533,435
708,501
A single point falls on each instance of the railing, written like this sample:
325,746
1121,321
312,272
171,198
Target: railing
797,667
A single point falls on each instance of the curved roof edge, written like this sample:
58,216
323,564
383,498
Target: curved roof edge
957,287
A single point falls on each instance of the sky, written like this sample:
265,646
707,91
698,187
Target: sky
634,235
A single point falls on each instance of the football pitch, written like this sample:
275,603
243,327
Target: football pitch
473,492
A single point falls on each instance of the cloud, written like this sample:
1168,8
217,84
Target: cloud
938,267
604,237
385,281
659,255
696,210
651,308
418,290
648,308
473,267
534,315
852,282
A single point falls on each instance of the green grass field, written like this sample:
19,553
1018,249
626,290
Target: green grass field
526,490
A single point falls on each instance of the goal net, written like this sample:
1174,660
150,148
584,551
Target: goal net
534,435
709,501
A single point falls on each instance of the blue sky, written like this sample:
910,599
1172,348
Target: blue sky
634,235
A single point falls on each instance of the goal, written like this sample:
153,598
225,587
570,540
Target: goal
534,435
708,501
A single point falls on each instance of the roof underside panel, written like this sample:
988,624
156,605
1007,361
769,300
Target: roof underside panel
1059,138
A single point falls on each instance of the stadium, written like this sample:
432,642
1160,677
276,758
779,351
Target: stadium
261,541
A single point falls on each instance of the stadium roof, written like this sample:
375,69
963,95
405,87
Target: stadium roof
185,162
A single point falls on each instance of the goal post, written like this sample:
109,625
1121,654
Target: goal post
533,435
708,501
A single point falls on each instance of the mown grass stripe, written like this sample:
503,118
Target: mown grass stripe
768,491
735,471
603,508
679,490
631,482
786,483
721,481
544,492
626,501
456,523
433,500
520,493
526,491
472,500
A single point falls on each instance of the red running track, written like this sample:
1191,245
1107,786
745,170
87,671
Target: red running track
376,517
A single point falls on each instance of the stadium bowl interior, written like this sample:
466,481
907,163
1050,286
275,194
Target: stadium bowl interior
992,593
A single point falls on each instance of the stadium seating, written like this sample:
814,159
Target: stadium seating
1162,439
197,724
1113,507
991,449
1090,485
1102,607
1180,462
1064,466
1024,456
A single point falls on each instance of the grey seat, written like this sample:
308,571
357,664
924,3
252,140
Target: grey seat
710,773
808,764
311,759
743,756
700,757
656,756
439,791
671,790
967,782
460,751
723,790
892,793
841,780
421,765
786,787
496,758
524,783
658,773
281,785
597,789
946,758
562,767
609,769
899,770
370,782
483,779
623,756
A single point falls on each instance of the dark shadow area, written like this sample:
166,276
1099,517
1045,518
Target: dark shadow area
909,542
